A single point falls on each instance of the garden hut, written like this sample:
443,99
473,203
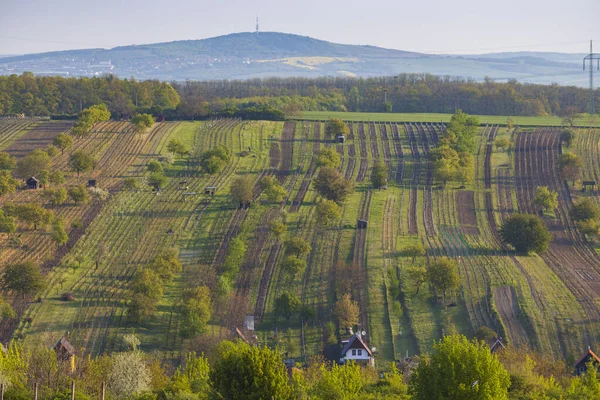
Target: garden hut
588,185
33,183
64,350
341,139
91,183
210,190
362,224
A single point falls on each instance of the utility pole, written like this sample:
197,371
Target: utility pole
257,25
592,56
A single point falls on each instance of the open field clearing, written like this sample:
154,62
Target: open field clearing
548,303
440,118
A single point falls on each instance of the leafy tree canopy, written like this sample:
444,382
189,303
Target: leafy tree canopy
525,232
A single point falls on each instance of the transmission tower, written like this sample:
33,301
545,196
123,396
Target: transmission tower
592,56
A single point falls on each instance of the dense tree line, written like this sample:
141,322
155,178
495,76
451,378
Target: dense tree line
404,93
44,95
273,98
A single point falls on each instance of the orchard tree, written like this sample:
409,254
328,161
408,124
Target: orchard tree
293,265
335,127
59,234
503,143
460,369
570,166
545,198
55,197
131,183
332,185
525,232
328,157
51,150
141,122
129,375
63,141
445,162
157,180
97,194
242,190
567,136
466,168
212,161
177,147
56,178
79,194
7,224
418,275
81,161
7,162
346,311
244,372
154,166
442,274
379,174
296,246
147,283
585,209
414,251
32,164
24,279
461,133
196,310
33,214
8,184
286,305
278,229
328,212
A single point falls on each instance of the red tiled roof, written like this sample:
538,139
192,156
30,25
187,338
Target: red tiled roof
589,352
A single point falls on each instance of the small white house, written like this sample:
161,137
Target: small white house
355,349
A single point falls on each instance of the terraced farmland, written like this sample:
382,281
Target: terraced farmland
546,302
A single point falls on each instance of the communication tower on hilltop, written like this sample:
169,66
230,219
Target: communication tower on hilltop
592,56
257,25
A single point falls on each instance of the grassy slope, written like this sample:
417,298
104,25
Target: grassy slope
432,117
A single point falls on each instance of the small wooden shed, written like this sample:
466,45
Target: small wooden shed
341,139
588,185
33,183
210,190
245,205
91,183
63,348
362,224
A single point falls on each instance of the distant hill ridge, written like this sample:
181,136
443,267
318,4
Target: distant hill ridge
249,55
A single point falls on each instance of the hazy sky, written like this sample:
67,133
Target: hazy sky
432,26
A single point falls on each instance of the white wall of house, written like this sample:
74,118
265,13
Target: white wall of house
357,354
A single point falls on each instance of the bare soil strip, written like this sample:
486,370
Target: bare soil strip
466,212
38,137
507,304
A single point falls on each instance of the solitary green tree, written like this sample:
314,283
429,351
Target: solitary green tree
328,212
570,166
7,224
79,194
7,162
459,369
328,157
59,234
196,310
177,147
286,305
545,198
33,214
335,127
332,185
525,232
63,141
25,278
379,174
80,161
442,274
241,190
346,311
141,122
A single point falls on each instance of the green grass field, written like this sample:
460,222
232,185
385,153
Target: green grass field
426,117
